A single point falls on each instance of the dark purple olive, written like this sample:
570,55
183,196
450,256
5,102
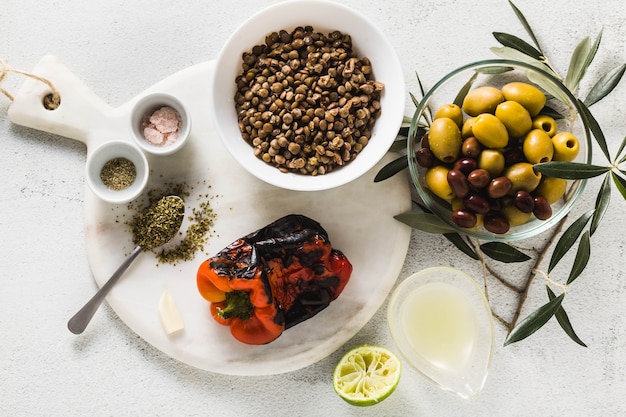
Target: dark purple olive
542,209
524,202
495,204
425,157
466,165
464,218
496,224
458,182
513,156
479,178
476,203
425,143
499,187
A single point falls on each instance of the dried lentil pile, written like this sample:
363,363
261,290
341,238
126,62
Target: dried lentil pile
305,101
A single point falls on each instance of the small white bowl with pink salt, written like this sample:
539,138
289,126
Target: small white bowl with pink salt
160,124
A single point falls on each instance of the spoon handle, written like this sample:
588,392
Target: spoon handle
81,319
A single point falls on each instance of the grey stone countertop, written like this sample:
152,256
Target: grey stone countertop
119,48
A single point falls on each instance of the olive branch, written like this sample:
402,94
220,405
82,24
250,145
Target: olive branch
581,230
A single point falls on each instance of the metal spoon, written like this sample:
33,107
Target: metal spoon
157,225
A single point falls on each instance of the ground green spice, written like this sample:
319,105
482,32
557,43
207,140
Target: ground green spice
118,173
199,229
194,239
159,223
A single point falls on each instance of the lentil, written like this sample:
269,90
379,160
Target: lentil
118,173
305,90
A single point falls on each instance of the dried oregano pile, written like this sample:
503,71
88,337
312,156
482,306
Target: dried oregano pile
200,220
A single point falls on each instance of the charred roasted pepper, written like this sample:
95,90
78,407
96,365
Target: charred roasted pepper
273,278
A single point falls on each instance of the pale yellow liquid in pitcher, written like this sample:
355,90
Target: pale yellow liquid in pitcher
440,324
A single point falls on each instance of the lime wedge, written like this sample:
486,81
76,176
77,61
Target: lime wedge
366,375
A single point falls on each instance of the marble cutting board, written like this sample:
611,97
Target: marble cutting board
358,217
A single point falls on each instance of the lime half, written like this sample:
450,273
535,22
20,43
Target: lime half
366,375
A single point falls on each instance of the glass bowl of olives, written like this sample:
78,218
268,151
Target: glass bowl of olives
474,141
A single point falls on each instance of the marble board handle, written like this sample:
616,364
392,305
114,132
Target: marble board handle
81,115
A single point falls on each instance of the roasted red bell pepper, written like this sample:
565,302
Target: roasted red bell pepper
273,278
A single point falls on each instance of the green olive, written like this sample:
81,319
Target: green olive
514,215
437,181
482,100
457,204
545,123
566,146
523,177
466,129
444,139
551,188
525,94
451,111
515,117
490,131
492,161
538,147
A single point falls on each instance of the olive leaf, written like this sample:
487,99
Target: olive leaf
577,63
594,126
605,85
503,252
549,111
427,113
619,151
414,99
494,70
568,238
583,55
620,183
425,222
592,52
570,170
582,257
392,168
548,85
398,145
524,22
602,203
419,82
535,320
515,55
563,319
521,45
461,244
460,96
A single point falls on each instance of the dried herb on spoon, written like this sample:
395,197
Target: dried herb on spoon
159,223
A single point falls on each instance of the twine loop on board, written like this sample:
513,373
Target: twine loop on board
50,101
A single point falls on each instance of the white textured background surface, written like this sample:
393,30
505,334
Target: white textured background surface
119,48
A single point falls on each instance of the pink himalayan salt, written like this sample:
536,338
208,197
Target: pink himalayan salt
161,127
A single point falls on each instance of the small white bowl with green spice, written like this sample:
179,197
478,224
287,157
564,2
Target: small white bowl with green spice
117,172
